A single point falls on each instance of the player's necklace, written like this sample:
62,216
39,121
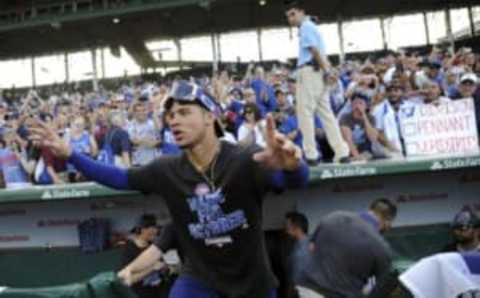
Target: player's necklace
210,176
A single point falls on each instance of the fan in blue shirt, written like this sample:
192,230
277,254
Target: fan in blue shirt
289,127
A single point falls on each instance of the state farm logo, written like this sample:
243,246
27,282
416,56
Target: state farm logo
65,194
455,163
348,172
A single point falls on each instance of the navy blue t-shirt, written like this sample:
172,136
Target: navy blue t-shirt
218,219
120,141
290,124
265,93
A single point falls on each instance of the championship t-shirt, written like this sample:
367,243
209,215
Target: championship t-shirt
218,219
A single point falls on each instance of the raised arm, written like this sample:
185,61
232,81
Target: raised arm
110,176
44,136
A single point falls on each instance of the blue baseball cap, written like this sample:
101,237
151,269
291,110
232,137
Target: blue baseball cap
465,218
437,64
186,92
362,96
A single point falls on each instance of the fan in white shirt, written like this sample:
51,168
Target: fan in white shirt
450,275
432,94
252,130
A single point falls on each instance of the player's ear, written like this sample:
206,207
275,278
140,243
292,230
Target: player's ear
210,117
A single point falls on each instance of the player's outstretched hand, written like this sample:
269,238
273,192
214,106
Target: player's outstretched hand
44,136
280,153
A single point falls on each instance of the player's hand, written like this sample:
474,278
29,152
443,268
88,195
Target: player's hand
280,153
126,276
44,136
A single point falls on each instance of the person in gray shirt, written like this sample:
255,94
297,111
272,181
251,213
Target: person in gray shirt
345,251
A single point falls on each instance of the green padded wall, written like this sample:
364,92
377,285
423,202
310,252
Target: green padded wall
37,268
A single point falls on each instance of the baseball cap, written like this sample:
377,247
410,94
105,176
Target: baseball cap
465,218
435,64
362,96
469,77
143,222
424,63
186,92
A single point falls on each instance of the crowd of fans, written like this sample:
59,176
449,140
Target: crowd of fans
126,121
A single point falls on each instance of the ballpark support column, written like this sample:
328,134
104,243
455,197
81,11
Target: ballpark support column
427,30
341,39
384,33
94,69
67,69
214,52
34,77
178,45
451,38
473,32
259,41
102,62
219,48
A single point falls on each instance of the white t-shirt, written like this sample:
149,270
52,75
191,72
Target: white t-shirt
386,121
442,276
244,132
146,130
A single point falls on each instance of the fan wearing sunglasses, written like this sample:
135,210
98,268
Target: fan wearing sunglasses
466,233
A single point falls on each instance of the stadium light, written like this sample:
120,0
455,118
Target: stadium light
116,20
262,2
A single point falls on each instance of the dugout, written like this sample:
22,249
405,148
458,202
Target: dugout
38,226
